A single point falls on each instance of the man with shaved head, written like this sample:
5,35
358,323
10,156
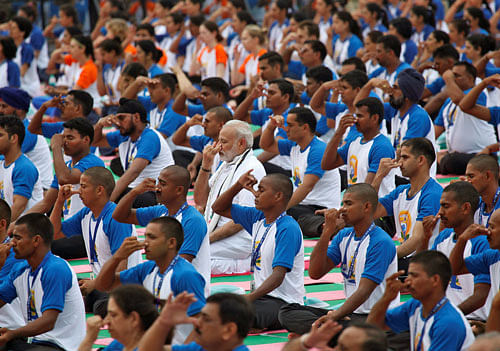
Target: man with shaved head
365,252
171,190
277,260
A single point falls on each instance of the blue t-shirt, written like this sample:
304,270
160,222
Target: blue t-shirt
419,123
154,70
85,163
439,121
332,110
183,278
171,121
49,129
13,74
27,53
381,70
314,157
480,263
193,223
148,145
198,142
411,51
30,139
36,38
24,177
436,86
495,115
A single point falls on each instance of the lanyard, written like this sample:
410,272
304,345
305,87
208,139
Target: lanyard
452,115
157,288
436,308
179,211
482,208
353,260
130,152
30,304
92,238
256,250
111,77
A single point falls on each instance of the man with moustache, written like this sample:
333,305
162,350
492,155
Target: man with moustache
143,151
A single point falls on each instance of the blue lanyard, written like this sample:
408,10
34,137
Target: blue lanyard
450,117
256,250
179,211
482,207
436,308
353,260
157,288
30,304
130,153
92,237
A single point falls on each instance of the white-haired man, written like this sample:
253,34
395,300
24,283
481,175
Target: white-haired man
230,245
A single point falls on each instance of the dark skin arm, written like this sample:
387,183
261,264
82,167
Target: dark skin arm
476,300
39,326
222,205
457,254
271,283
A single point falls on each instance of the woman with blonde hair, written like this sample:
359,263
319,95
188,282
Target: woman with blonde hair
254,39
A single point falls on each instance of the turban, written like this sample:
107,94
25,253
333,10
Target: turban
16,98
411,84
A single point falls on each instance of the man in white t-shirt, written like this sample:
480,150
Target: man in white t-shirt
230,244
55,320
314,189
143,151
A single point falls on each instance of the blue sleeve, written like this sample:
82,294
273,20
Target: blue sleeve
29,142
260,117
55,284
388,200
116,232
198,142
13,75
192,282
288,243
377,152
354,45
480,263
146,214
333,109
195,230
439,14
148,147
411,51
495,115
246,216
398,319
333,252
146,102
285,146
295,69
183,46
389,112
428,203
436,86
88,162
189,347
171,122
8,291
27,54
37,40
479,245
73,225
378,258
418,126
55,183
489,71
195,109
49,129
343,151
136,274
376,73
314,159
114,346
24,178
439,121
114,138
447,334
481,100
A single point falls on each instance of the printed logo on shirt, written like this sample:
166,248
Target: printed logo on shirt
259,258
353,174
32,311
352,278
2,193
296,177
455,283
415,342
67,207
405,223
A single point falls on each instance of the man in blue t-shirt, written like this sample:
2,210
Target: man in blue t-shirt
433,321
277,260
165,273
223,324
365,252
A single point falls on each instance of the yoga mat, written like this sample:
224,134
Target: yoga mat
267,347
85,268
328,295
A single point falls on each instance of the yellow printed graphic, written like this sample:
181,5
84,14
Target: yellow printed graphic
353,174
405,223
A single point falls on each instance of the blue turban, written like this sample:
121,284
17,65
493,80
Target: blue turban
412,84
16,98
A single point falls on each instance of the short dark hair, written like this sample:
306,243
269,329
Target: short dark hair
217,85
177,17
434,262
109,45
390,42
446,51
311,28
236,309
135,298
403,26
421,147
375,340
101,176
283,4
464,192
83,99
365,192
167,81
469,68
135,70
356,61
181,177
485,163
281,183
198,19
317,46
461,25
24,25
480,41
285,87
73,30
82,126
273,58
375,35
70,11
441,36
133,107
5,212
245,16
9,48
147,27
355,78
222,114
374,106
150,48
303,115
171,228
238,4
13,125
320,74
86,42
30,11
38,224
